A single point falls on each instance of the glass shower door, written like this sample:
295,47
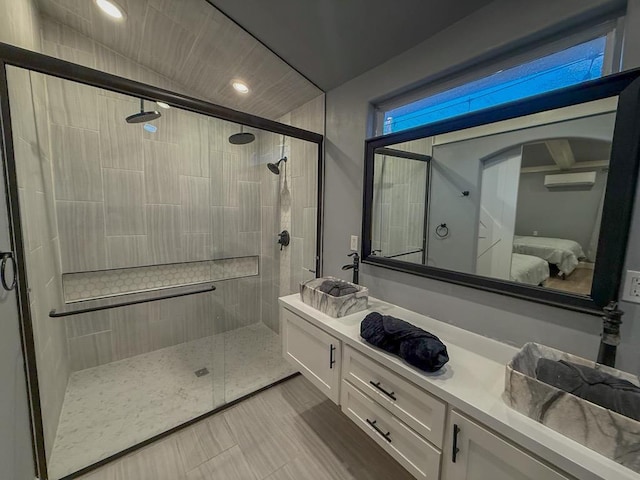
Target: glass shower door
111,210
277,223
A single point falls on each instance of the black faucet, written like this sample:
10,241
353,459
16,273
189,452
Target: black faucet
355,266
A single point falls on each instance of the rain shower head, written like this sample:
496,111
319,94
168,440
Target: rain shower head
142,116
275,167
242,138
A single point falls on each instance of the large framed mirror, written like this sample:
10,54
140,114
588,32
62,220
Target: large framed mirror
532,199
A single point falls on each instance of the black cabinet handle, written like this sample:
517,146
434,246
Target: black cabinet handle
6,256
391,395
455,450
386,436
332,359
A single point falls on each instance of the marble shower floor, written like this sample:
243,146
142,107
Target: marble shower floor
114,406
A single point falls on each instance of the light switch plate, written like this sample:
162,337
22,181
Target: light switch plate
354,242
631,292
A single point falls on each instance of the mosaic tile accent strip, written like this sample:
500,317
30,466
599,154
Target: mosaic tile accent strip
108,283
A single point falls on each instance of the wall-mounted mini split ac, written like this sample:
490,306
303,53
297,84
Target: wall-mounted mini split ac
582,179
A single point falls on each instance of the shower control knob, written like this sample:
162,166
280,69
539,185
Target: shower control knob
284,239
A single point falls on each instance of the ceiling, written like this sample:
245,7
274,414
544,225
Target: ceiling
196,46
333,41
583,150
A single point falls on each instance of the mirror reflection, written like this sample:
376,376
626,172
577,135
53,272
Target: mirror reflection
519,200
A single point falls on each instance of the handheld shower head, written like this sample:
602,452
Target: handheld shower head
242,138
275,167
142,116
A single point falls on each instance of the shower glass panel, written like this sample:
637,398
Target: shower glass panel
111,208
277,193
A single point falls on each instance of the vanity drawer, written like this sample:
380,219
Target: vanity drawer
415,407
413,452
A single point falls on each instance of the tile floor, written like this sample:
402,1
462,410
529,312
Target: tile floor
288,432
114,406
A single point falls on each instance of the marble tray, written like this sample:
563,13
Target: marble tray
334,306
604,431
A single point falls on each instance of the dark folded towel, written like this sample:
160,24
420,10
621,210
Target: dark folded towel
337,288
416,346
593,385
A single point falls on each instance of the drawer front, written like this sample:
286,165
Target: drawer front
412,451
315,353
421,411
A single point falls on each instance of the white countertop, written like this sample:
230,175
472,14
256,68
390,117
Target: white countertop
472,382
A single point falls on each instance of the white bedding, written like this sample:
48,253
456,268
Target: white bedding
528,269
563,253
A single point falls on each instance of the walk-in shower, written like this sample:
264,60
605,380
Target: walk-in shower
152,259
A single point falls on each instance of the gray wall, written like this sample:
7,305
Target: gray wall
490,31
559,212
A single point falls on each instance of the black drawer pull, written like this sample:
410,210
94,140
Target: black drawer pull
386,436
388,394
332,359
454,453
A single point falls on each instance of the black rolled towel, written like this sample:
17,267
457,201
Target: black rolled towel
337,288
593,385
416,346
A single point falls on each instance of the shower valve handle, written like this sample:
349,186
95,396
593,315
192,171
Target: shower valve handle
284,239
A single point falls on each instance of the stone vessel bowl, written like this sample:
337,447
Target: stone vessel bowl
604,431
334,306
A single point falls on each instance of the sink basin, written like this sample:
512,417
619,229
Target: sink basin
609,433
334,306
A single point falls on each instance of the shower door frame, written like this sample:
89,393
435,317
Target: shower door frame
26,59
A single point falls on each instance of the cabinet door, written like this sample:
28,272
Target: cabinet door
482,455
315,353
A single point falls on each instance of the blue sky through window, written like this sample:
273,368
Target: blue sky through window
561,69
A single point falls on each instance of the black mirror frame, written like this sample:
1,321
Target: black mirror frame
618,202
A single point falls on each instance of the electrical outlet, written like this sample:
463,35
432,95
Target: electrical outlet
535,233
354,243
631,292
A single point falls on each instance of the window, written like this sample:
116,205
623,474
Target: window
578,63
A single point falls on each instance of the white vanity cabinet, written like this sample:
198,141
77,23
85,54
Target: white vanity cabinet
474,453
413,416
314,352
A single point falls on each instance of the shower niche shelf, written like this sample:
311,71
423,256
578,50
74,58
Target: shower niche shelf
87,306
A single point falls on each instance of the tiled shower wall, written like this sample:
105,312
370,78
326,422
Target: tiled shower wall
19,25
125,198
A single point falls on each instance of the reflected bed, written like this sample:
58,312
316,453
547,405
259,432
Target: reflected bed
563,253
528,269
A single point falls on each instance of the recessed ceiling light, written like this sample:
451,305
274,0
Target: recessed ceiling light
240,87
111,8
163,104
